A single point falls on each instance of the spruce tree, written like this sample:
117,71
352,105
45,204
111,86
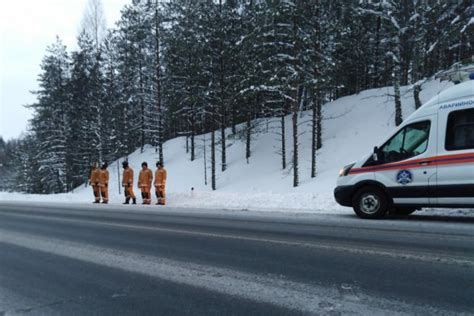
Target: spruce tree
51,120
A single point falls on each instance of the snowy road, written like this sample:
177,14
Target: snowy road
78,260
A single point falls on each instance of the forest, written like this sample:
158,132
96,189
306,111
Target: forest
184,68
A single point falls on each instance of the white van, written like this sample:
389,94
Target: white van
427,162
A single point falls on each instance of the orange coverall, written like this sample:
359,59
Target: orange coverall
94,181
104,185
127,183
160,183
144,183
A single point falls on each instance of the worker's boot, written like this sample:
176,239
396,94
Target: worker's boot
127,201
134,201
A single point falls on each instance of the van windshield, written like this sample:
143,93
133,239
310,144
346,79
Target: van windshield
409,142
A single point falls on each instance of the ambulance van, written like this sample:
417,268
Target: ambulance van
427,162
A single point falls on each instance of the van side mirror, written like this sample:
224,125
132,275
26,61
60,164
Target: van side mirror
375,155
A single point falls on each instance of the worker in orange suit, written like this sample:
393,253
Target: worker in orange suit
144,183
127,183
104,183
160,183
94,181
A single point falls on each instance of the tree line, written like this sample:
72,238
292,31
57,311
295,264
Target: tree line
184,68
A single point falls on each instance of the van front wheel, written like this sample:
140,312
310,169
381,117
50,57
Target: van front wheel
370,202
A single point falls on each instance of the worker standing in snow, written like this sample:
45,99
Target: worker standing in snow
160,182
94,181
144,183
104,183
127,183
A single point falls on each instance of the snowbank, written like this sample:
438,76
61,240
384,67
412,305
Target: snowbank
352,126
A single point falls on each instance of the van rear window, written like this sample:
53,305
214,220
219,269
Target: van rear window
460,130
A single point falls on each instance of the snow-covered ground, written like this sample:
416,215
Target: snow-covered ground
353,125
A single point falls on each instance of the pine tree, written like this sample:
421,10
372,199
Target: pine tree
50,122
157,29
247,72
8,170
394,15
116,125
87,111
187,76
133,39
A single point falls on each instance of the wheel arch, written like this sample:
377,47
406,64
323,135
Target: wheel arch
372,183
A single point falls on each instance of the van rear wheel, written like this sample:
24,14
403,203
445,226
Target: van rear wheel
370,203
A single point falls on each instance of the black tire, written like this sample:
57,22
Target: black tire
370,203
403,211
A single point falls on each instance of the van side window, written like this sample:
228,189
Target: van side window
460,130
409,142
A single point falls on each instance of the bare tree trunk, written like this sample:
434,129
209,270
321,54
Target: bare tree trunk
223,97
295,143
158,86
213,160
99,121
314,120
142,107
205,159
319,122
416,95
193,123
396,83
248,136
118,178
223,140
234,118
398,103
283,141
125,135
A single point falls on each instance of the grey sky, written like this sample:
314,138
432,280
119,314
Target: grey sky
27,27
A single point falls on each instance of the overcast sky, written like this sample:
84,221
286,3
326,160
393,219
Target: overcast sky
27,27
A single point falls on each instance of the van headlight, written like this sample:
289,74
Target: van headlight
345,171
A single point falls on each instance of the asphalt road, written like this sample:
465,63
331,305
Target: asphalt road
114,260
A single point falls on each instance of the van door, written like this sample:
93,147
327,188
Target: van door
455,161
406,167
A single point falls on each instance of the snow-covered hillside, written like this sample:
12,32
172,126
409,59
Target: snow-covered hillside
352,126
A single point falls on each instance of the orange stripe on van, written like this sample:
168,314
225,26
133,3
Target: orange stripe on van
416,163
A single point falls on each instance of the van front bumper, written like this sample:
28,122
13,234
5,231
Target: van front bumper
343,194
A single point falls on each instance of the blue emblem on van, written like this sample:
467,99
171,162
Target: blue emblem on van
404,177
